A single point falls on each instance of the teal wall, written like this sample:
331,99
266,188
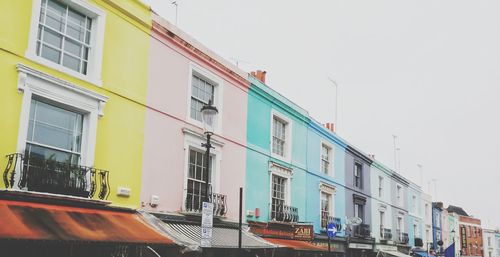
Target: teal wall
316,135
261,102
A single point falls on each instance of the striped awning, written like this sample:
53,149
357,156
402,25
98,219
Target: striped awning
189,236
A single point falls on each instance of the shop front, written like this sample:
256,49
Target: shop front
337,244
43,225
294,240
359,247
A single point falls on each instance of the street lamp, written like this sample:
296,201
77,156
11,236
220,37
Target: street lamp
208,115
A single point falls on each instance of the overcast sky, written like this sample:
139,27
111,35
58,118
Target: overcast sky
426,71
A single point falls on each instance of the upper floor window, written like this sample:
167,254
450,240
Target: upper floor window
202,92
68,36
54,132
382,219
414,203
358,175
399,195
196,180
64,36
326,159
281,136
359,211
326,208
426,210
399,225
380,186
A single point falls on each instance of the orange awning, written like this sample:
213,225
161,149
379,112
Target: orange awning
39,221
295,244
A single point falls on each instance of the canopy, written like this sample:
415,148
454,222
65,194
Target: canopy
189,235
296,244
39,221
422,254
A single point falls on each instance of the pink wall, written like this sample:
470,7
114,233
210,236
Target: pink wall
164,152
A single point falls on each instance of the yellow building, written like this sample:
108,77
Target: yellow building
73,79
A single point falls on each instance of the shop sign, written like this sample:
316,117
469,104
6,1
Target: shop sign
335,247
386,248
295,232
464,238
360,246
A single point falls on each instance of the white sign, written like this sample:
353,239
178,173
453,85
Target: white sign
206,233
205,242
354,221
207,215
360,246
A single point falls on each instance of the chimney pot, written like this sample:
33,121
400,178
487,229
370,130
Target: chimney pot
260,75
330,126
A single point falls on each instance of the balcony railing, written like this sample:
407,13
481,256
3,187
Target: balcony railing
194,203
402,237
284,213
44,175
385,233
325,220
362,230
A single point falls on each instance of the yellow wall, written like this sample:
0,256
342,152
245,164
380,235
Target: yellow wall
120,131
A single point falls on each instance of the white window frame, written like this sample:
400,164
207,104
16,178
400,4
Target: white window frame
94,67
218,83
288,136
193,141
382,218
381,186
332,191
414,203
402,225
284,172
416,230
331,156
400,195
32,82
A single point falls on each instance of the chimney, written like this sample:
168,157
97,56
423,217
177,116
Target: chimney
330,126
372,156
260,75
439,205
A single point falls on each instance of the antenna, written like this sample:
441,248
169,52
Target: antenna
237,61
394,137
176,5
421,169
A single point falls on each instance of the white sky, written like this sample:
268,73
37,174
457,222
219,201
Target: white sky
426,70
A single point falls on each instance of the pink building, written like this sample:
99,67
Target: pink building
183,76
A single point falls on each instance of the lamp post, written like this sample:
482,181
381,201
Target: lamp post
208,115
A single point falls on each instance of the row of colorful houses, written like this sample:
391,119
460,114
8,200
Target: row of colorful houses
102,133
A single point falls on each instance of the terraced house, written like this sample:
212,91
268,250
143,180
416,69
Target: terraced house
74,126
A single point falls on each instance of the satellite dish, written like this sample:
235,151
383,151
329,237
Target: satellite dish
354,221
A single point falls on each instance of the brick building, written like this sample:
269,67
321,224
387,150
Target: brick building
471,234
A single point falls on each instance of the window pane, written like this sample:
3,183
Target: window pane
72,47
55,15
50,154
51,54
71,62
52,38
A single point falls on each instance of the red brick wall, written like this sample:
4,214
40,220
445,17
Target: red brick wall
473,236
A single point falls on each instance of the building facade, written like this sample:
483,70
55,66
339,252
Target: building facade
490,243
437,208
427,215
358,202
450,230
471,236
415,219
399,199
325,177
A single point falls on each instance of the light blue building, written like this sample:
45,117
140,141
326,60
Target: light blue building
415,217
325,178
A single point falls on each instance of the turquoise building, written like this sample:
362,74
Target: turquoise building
277,130
415,218
325,177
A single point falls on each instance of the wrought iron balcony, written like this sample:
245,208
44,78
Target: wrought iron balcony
325,219
402,237
194,203
385,233
284,213
362,230
41,175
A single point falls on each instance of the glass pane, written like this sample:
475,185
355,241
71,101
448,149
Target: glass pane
75,31
51,54
50,154
52,38
71,62
42,11
72,47
55,15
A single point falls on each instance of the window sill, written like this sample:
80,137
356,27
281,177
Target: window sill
58,67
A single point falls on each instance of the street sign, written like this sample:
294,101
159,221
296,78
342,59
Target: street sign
331,230
207,222
207,215
206,233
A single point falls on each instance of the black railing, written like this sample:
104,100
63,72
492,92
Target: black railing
49,176
325,219
284,213
194,203
362,230
385,233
